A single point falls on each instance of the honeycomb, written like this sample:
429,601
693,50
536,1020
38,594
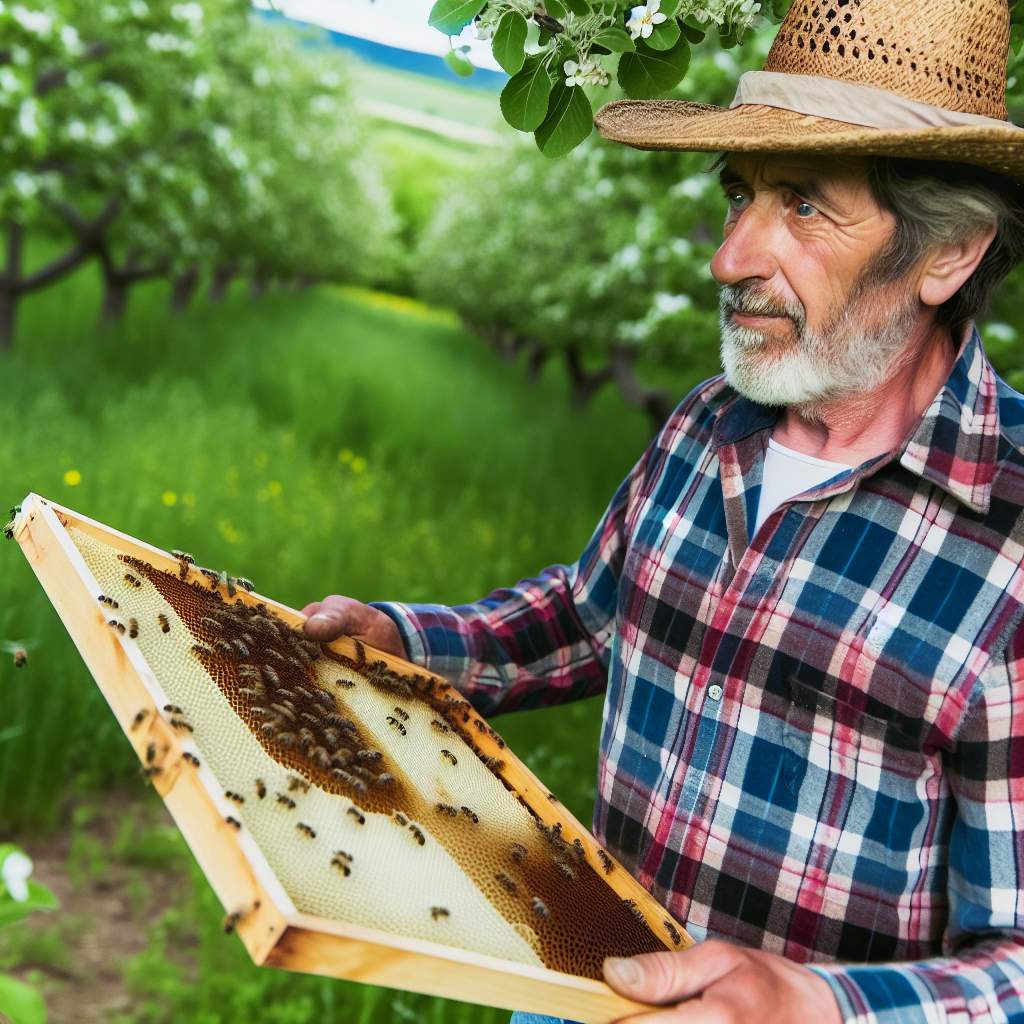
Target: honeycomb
363,787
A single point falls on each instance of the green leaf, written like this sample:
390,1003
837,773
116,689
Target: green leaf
578,7
555,8
39,898
569,121
668,7
452,16
458,63
524,99
509,40
20,1003
618,40
648,73
694,34
780,8
664,35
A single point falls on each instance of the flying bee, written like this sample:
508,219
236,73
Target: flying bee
673,932
305,829
539,906
165,626
9,530
396,724
138,719
286,800
173,709
180,723
369,755
233,822
119,626
471,814
606,861
133,628
191,758
357,814
438,726
438,912
236,797
506,883
403,715
447,809
261,788
566,870
132,581
449,756
518,853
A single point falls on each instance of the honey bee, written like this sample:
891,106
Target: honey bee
384,779
191,758
133,581
368,755
203,650
341,860
305,829
438,726
150,770
494,763
180,723
233,822
119,626
566,870
552,797
342,756
224,647
333,718
309,717
250,673
673,932
241,648
401,818
472,815
438,912
133,628
270,675
267,730
246,585
294,783
261,788
173,709
286,800
418,835
186,560
447,809
165,626
332,736
396,724
577,849
606,862
236,797
109,601
321,757
275,653
357,814
449,756
346,684
402,714
506,883
518,852
284,710
138,719
286,739
150,752
635,911
19,654
212,575
249,693
360,654
539,907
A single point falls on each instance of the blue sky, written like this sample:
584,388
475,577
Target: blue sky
401,23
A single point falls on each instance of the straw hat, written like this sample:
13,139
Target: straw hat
905,78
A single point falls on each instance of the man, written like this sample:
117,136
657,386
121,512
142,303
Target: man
805,602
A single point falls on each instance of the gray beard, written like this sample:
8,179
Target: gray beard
854,353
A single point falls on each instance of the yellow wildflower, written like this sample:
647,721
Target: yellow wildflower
72,478
169,498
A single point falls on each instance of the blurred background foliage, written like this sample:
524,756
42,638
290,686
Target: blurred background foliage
332,352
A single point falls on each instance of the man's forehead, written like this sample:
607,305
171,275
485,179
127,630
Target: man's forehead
773,167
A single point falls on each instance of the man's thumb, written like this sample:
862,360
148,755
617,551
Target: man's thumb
669,977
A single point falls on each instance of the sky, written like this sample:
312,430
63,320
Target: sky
401,23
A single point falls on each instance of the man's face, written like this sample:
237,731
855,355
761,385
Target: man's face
803,317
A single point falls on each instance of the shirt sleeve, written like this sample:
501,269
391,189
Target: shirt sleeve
981,976
543,641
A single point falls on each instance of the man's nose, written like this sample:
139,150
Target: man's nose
747,251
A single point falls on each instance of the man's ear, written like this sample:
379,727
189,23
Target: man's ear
951,265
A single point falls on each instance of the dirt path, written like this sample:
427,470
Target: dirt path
106,903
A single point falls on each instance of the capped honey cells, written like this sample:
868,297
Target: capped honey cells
363,787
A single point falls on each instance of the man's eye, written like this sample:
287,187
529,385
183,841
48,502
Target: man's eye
805,210
737,200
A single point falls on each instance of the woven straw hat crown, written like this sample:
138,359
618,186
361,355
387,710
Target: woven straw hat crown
924,79
950,53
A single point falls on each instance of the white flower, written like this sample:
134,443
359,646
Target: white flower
642,19
1000,332
32,21
191,13
27,122
9,81
15,871
260,76
77,130
587,73
24,184
666,304
139,8
482,29
201,87
70,38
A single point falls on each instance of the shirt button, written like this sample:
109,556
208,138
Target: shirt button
715,691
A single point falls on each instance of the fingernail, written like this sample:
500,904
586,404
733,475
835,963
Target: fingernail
623,970
319,617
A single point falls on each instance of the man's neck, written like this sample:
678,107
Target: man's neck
854,429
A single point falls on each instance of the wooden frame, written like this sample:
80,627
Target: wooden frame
272,929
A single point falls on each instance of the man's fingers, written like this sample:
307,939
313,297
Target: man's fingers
668,977
330,617
311,608
693,1011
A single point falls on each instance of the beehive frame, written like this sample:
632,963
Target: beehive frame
264,916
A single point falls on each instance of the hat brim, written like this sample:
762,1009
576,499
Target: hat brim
701,127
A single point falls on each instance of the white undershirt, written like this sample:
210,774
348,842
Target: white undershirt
786,473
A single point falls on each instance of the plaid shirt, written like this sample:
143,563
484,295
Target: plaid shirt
812,740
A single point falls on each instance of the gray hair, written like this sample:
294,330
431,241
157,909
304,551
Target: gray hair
937,202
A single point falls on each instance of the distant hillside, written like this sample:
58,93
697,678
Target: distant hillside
403,60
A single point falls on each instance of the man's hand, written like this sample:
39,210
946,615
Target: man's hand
336,616
718,983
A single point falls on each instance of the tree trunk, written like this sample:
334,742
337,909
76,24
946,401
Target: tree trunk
537,356
257,285
223,275
655,402
585,383
115,298
183,287
9,293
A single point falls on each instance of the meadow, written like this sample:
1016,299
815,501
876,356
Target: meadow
333,440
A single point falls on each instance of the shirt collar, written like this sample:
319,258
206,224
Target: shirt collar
954,445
